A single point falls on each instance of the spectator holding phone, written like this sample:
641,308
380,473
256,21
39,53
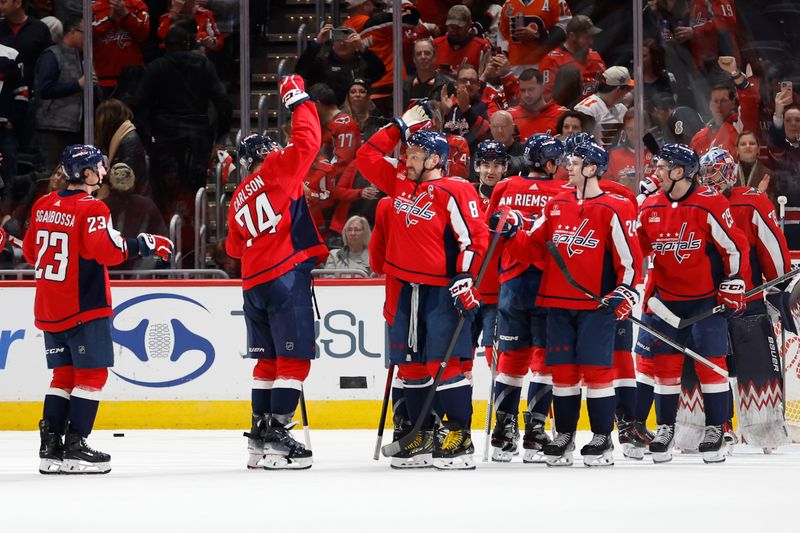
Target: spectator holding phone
784,150
525,26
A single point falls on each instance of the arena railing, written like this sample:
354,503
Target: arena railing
175,230
200,227
338,273
23,274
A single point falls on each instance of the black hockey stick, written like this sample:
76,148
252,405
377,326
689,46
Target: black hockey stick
393,448
661,310
384,409
562,266
304,417
490,403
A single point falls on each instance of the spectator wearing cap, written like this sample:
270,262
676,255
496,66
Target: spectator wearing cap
501,125
208,36
605,109
465,113
359,12
336,59
534,113
525,26
119,27
459,46
576,51
427,82
361,109
676,124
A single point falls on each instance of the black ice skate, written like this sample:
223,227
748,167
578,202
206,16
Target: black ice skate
559,452
418,454
455,451
79,458
255,442
634,439
281,451
505,437
534,441
662,443
599,451
713,445
51,451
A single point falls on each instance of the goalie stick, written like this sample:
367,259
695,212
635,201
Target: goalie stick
384,409
661,310
562,266
393,448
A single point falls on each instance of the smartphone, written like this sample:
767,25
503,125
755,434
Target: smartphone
786,85
451,88
339,34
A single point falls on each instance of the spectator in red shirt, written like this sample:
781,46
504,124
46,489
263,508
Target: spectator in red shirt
576,51
119,27
459,46
340,134
208,37
622,159
534,114
501,89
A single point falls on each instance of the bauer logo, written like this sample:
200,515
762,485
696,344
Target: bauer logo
155,348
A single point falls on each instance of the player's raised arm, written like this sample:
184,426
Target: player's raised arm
296,159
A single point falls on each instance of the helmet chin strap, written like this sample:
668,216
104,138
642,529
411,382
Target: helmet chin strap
674,182
485,189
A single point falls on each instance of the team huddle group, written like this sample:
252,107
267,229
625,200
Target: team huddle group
560,281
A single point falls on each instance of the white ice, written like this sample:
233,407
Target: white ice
195,481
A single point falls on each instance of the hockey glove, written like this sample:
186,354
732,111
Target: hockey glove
157,245
416,117
731,295
780,300
622,300
465,297
293,91
514,222
647,186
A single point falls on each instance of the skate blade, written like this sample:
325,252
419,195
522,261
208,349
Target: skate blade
50,466
715,457
604,459
424,460
462,462
633,452
78,467
280,462
534,457
664,457
559,460
500,456
255,461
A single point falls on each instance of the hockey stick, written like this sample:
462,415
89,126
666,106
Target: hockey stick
304,418
393,448
490,404
384,409
562,266
661,310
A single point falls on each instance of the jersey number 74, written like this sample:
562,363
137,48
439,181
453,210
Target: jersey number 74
265,219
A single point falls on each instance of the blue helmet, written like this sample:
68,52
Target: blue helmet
593,154
541,148
78,157
255,148
680,155
432,143
490,150
576,139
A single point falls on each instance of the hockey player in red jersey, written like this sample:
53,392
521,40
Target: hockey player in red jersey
70,241
700,260
436,246
272,231
751,334
595,232
521,324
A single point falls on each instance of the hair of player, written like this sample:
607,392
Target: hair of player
322,94
530,73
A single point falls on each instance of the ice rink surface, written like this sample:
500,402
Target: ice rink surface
195,481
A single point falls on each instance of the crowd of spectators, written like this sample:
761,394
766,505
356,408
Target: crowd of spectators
503,70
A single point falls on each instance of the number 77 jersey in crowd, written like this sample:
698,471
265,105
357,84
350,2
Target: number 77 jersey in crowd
70,241
270,226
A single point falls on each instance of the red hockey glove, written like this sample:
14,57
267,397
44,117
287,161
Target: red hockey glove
465,296
647,186
293,91
622,300
513,223
731,295
417,117
157,245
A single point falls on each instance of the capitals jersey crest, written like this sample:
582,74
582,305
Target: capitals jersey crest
575,237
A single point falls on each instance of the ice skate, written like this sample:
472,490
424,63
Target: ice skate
79,458
634,439
559,452
534,440
281,451
713,446
599,451
661,445
51,451
418,454
505,438
255,442
455,451
729,436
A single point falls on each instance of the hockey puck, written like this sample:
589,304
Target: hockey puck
119,434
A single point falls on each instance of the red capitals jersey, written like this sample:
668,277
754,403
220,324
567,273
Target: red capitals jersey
714,25
591,67
622,165
490,286
70,242
694,243
527,195
320,184
596,237
458,160
206,26
377,256
438,230
116,42
543,122
754,214
619,189
469,53
341,137
269,223
497,98
538,15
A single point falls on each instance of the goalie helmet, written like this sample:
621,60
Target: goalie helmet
717,169
680,155
79,157
541,148
593,154
255,148
432,143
